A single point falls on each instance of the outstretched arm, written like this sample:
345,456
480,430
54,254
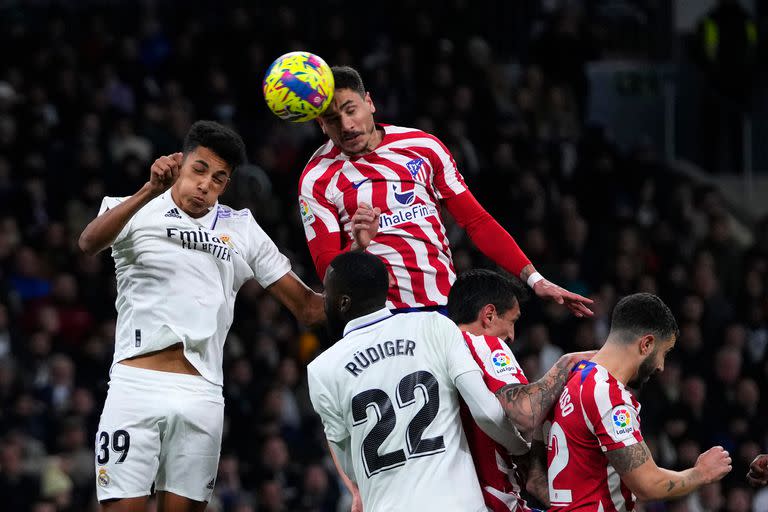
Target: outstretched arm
650,482
528,404
305,304
496,243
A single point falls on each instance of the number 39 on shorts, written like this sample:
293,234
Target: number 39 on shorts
121,443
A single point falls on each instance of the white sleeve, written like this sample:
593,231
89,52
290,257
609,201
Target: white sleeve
327,408
265,259
110,202
458,359
487,411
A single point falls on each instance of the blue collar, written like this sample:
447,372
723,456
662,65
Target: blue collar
366,320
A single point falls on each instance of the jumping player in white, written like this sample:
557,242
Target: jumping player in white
180,258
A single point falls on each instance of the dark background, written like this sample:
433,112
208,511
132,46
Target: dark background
92,92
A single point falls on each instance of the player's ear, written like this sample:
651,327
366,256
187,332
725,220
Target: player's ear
647,343
321,124
344,303
487,314
369,102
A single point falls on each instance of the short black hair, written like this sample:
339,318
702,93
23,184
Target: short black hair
346,77
223,141
361,276
476,288
640,314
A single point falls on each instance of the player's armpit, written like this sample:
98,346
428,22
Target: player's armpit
305,304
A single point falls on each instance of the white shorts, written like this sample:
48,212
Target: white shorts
162,428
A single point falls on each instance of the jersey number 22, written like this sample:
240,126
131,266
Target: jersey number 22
386,421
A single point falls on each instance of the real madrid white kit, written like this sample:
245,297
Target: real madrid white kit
177,279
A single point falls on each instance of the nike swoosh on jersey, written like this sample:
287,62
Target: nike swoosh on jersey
359,183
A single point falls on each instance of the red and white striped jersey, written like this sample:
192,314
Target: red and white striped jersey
406,176
595,414
500,480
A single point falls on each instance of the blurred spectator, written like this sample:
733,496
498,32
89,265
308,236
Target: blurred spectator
726,48
18,489
90,94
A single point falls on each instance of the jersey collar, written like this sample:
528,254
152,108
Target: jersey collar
366,320
208,220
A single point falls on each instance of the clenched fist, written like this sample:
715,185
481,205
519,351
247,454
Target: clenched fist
714,464
164,172
758,471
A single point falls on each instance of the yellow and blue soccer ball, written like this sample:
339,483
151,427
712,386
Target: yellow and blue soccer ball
298,86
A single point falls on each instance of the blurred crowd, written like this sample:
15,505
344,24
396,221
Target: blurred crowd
92,92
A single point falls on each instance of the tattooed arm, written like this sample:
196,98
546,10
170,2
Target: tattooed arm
537,483
650,482
526,405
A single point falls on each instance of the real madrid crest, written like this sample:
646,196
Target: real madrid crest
103,477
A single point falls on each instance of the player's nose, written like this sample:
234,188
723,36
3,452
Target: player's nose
347,123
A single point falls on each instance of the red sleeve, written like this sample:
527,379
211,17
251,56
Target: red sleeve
323,248
320,217
487,234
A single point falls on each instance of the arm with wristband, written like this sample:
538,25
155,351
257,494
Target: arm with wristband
496,243
492,239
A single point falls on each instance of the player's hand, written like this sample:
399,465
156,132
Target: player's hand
573,358
546,289
758,471
164,172
714,464
365,225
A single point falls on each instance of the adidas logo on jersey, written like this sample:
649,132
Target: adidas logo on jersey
210,484
173,212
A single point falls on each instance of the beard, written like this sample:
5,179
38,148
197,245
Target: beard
646,370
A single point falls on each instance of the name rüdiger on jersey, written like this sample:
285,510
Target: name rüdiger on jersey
201,240
362,359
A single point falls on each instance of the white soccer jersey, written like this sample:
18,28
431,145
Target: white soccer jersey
389,388
177,278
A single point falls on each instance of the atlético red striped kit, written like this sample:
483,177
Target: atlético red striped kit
409,176
595,414
500,480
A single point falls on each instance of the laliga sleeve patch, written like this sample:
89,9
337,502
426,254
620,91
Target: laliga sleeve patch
623,420
502,364
307,217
